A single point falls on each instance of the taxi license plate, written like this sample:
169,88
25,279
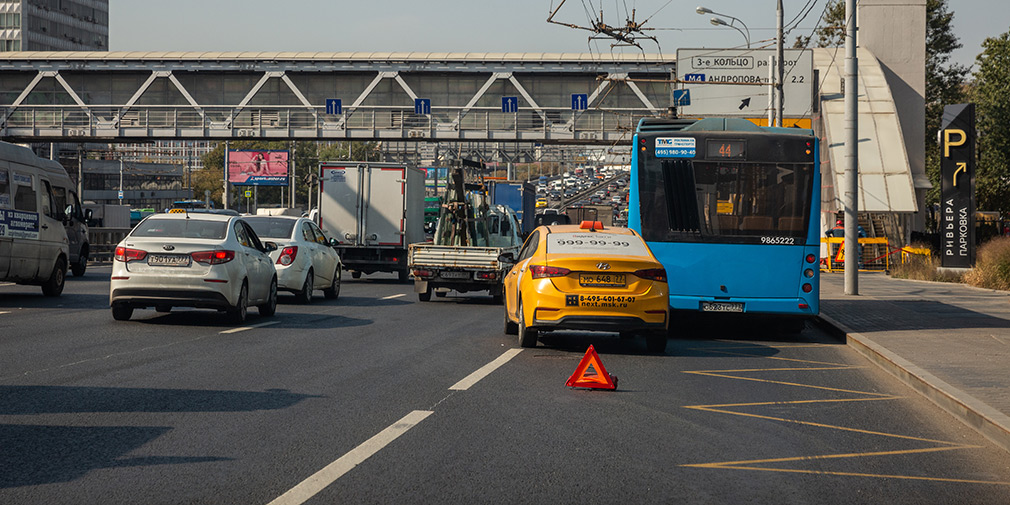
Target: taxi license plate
455,275
602,280
721,307
168,260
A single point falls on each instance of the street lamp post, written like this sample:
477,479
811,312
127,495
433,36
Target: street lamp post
720,22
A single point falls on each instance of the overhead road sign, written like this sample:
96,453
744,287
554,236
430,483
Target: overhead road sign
735,82
580,101
333,106
422,106
509,104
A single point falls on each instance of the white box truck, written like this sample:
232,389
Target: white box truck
374,210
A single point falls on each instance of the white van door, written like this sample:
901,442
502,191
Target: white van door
22,224
52,234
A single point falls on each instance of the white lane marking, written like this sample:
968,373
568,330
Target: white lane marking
244,328
333,471
484,371
4,312
390,297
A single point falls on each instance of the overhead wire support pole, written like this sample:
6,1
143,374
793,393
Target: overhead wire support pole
850,191
779,55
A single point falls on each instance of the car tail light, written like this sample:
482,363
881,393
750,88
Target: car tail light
811,258
653,274
541,271
126,255
213,257
288,255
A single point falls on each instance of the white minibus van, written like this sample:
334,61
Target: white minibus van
38,206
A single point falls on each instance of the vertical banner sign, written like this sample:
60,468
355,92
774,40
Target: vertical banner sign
957,186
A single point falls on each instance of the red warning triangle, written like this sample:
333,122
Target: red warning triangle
591,374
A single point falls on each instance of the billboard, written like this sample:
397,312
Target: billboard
258,168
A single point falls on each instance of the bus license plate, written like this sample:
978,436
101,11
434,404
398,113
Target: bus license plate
721,307
602,280
455,275
168,260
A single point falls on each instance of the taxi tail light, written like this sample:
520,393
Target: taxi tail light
288,255
213,257
542,271
126,255
653,274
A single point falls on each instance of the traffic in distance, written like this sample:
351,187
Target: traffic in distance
701,194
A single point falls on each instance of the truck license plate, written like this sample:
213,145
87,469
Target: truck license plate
602,280
455,275
721,307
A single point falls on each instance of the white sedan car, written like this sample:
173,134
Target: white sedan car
200,260
305,259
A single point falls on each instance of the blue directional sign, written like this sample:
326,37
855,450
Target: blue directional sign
422,106
694,77
509,104
681,97
580,101
333,106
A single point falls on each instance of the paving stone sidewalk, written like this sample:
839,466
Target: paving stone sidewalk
955,333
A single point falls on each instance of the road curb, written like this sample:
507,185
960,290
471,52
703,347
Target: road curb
988,421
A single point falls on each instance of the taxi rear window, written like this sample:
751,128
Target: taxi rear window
596,244
181,228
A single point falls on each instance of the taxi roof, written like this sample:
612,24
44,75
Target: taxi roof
574,228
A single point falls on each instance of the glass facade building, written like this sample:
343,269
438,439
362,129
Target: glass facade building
54,25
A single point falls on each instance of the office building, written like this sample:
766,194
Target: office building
54,25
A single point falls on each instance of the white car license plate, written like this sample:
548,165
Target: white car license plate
721,307
455,275
168,260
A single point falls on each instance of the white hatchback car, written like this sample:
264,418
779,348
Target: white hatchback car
305,258
200,260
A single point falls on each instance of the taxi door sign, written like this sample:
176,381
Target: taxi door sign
957,186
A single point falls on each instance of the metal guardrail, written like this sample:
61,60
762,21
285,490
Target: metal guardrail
103,242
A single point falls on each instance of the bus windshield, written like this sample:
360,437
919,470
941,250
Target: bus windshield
724,201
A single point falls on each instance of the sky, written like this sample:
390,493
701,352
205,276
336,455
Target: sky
473,25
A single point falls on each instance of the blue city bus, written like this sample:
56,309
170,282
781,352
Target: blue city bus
731,209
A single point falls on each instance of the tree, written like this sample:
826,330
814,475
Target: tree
991,93
832,34
944,84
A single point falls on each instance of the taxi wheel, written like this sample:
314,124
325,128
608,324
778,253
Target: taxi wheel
527,336
656,342
305,295
510,327
121,312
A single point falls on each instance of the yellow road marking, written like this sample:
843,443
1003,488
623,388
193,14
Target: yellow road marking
827,366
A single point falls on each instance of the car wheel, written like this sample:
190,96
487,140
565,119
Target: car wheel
121,312
497,298
527,336
305,295
238,313
81,265
656,342
402,275
163,308
355,274
54,285
270,307
332,292
510,327
426,295
441,294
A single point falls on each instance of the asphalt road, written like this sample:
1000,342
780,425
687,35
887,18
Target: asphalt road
378,398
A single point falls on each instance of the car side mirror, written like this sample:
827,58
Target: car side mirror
506,257
88,214
269,246
334,242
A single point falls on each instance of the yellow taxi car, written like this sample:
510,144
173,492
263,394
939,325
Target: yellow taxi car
541,202
586,277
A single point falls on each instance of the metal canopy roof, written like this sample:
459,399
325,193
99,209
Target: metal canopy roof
885,176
